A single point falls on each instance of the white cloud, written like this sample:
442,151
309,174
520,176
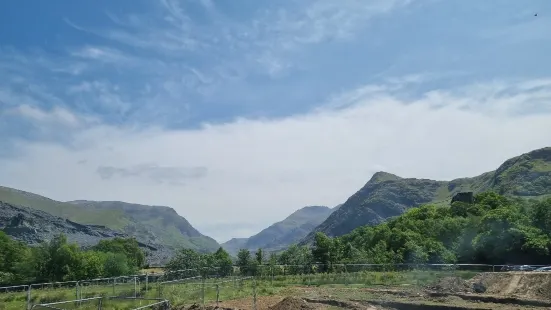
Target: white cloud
259,171
57,116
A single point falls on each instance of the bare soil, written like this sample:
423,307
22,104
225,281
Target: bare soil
500,291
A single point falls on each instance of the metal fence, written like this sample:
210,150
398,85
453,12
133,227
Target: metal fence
100,303
211,286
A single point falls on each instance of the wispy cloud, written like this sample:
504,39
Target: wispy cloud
158,174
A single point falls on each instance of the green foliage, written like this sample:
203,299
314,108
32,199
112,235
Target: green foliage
10,253
58,260
127,247
116,264
245,262
218,262
495,229
223,261
186,259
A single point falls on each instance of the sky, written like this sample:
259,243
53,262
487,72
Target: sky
237,113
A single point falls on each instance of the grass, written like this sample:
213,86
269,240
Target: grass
188,293
110,218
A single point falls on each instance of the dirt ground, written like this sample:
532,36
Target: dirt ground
503,291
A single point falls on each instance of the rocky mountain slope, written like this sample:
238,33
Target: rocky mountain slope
282,234
386,195
33,226
156,222
148,224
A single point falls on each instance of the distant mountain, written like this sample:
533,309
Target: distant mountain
155,223
386,195
148,224
284,233
234,245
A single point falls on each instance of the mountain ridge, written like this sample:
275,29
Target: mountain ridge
387,195
283,233
162,221
145,224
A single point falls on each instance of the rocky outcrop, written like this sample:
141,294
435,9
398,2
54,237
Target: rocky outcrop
33,227
466,197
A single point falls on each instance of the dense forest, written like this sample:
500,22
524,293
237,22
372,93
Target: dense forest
58,260
492,230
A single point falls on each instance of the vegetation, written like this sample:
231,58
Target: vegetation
58,260
493,230
387,195
219,262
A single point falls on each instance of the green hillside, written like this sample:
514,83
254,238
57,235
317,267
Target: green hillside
110,218
149,224
158,223
386,195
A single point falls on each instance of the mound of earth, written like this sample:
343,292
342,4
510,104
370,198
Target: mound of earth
292,303
199,307
521,284
451,285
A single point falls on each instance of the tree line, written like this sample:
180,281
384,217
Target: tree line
58,260
492,230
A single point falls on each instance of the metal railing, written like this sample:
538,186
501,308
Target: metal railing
153,302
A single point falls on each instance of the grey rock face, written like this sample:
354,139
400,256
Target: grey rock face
33,227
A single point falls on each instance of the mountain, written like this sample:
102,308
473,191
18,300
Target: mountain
233,245
386,195
160,226
33,227
284,233
155,223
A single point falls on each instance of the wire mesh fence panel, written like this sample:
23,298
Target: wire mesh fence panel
85,304
14,295
128,303
52,292
236,288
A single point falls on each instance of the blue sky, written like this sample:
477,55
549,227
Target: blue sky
263,107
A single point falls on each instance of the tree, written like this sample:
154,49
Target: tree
244,261
259,255
127,246
186,259
11,253
223,261
116,264
321,252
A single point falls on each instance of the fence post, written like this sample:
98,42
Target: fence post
135,287
254,294
203,292
114,283
146,281
76,291
29,297
272,275
345,275
217,294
